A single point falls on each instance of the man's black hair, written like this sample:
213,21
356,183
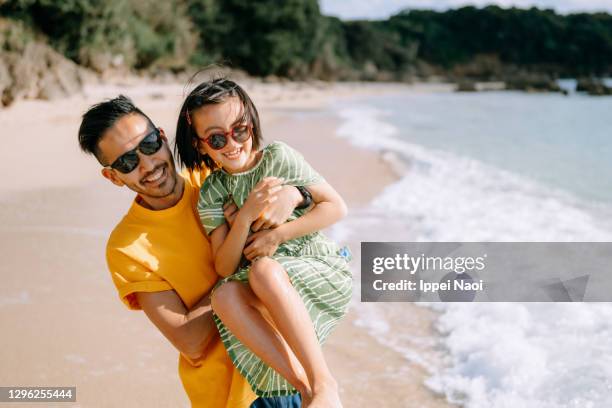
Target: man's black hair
210,93
101,117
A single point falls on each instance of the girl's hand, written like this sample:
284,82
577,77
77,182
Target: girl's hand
278,212
263,194
262,243
230,211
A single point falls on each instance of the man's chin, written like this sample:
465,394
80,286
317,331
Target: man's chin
164,189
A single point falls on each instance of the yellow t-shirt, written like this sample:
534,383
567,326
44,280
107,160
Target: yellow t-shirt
151,251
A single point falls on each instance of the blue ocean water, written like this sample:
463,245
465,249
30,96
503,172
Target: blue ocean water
563,142
495,166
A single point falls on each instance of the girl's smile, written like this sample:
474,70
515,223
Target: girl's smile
234,154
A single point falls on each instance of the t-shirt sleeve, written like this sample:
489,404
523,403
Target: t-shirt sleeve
210,204
196,176
130,276
291,165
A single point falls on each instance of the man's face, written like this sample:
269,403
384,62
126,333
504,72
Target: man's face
154,176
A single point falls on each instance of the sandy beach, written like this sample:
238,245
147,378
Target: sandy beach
61,319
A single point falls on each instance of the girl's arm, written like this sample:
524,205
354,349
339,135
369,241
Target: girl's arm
228,243
227,246
329,208
289,198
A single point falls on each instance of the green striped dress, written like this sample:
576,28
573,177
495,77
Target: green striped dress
316,266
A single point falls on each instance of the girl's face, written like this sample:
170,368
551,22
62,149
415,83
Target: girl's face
223,118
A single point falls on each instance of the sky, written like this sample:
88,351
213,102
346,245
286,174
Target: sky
380,9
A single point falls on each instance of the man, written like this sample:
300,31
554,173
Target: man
159,256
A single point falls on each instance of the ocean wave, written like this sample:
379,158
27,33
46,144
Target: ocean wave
454,198
547,355
499,354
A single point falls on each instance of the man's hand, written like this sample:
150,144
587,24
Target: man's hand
277,212
262,243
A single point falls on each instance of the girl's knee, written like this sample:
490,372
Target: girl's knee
263,265
266,271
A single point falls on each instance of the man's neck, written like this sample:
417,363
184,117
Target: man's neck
169,201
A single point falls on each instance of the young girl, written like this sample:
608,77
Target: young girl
279,301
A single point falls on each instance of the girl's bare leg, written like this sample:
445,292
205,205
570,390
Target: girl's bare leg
271,285
240,311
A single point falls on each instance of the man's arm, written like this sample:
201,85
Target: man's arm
329,208
188,330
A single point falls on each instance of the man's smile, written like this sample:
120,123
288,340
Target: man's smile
156,177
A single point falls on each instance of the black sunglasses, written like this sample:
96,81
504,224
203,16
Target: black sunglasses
128,161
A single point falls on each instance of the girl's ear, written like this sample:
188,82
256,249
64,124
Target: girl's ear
194,144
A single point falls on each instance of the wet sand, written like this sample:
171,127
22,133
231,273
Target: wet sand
62,322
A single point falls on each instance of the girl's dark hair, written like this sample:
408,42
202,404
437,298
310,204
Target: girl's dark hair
208,93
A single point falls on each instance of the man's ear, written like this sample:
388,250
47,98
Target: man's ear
162,134
110,175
